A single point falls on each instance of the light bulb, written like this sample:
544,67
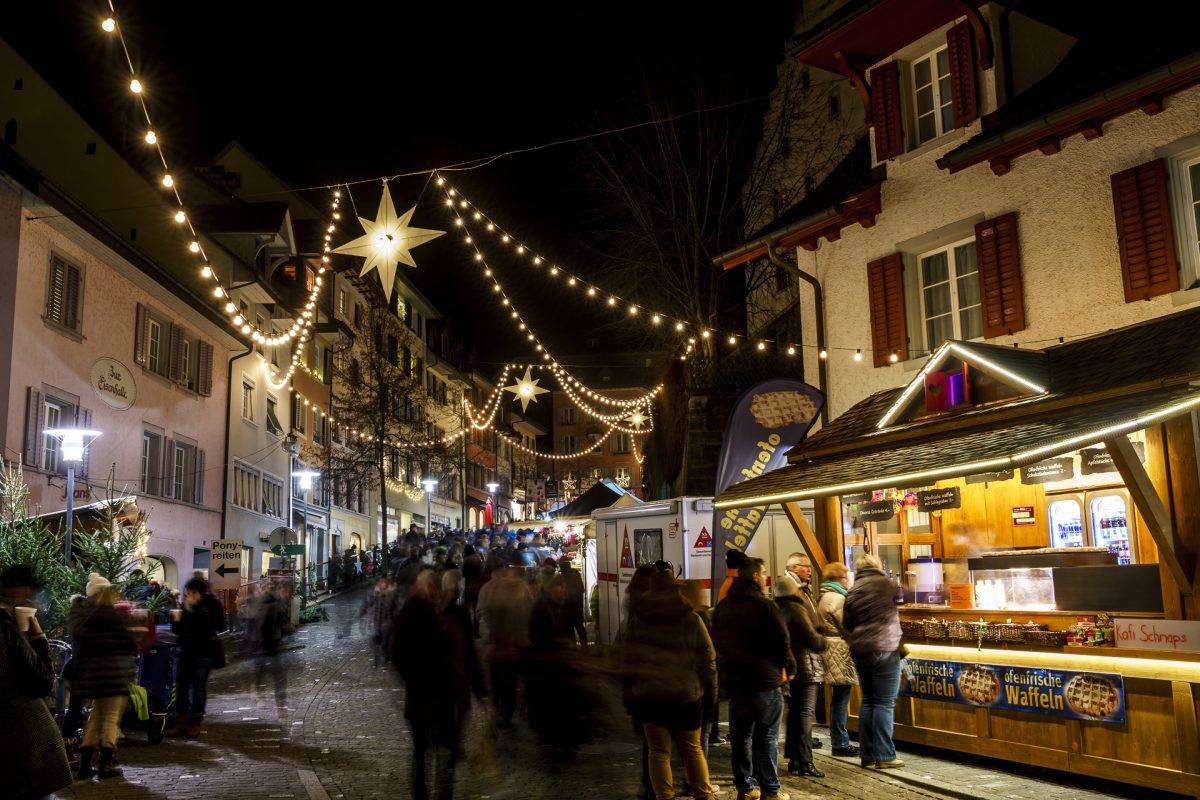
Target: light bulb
504,238
450,203
230,308
109,25
218,292
554,270
520,248
496,288
791,351
135,86
151,137
180,216
591,291
656,319
893,358
762,346
678,326
571,281
168,181
238,320
858,355
705,334
632,310
612,301
194,247
337,194
733,340
823,354
207,271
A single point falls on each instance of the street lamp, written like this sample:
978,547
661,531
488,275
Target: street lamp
73,443
429,484
305,478
492,488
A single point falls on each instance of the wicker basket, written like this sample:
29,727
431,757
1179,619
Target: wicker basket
913,629
991,632
962,631
1015,632
1046,638
936,629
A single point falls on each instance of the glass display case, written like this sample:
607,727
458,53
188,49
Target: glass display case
1028,589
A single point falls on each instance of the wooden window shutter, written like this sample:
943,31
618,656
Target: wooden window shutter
175,345
141,335
1000,290
887,111
71,297
327,367
1144,233
32,454
198,492
83,418
960,46
168,470
885,282
56,291
204,369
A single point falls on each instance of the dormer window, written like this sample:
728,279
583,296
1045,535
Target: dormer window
933,105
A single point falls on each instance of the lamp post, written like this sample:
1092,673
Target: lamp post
305,477
429,484
492,488
73,443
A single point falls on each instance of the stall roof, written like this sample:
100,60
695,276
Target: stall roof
603,494
1106,385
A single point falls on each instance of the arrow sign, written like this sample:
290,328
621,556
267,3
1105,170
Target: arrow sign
225,571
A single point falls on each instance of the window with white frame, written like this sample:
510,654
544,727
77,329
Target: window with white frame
273,416
184,474
154,347
273,497
246,481
933,106
1185,207
621,443
151,462
247,400
53,415
950,306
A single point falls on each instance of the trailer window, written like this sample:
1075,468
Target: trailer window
648,546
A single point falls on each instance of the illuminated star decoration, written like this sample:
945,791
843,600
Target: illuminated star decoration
637,419
526,389
387,242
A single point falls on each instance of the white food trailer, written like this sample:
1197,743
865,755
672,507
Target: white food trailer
678,531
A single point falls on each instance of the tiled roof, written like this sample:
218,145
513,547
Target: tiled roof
954,453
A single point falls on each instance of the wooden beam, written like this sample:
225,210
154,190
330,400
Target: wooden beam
1092,129
983,39
1050,146
795,516
857,73
1146,498
1151,104
1001,165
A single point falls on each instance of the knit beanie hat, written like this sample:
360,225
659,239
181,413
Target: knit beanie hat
786,586
96,584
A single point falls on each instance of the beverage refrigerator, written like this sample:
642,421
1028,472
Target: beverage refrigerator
1101,518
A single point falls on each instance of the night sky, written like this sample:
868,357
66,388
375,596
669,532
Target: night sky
349,91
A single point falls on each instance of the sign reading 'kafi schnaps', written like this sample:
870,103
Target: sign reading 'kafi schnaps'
937,499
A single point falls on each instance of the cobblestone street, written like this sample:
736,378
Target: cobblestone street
338,732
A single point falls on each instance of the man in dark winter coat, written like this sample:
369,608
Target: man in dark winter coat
871,617
573,603
752,638
200,651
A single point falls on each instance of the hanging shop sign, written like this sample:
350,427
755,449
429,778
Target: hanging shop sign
1097,460
1089,696
114,383
769,419
856,497
878,511
988,477
1048,471
938,499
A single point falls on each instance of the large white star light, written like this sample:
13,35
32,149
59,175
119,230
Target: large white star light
637,419
387,242
526,389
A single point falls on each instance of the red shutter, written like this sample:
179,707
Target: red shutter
887,111
168,470
960,46
204,373
34,418
140,335
1144,234
1000,292
885,282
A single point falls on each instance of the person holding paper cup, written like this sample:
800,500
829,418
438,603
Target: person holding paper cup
32,757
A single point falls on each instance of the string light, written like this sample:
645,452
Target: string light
858,355
109,25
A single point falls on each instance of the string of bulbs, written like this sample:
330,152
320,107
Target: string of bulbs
300,328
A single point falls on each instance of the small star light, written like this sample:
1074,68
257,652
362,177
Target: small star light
387,241
526,389
637,419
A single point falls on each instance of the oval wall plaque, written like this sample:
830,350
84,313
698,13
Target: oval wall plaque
114,383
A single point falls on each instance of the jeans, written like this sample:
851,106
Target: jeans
754,725
879,677
802,707
658,739
837,716
103,726
191,686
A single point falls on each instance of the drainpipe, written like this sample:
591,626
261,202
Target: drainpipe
228,411
819,311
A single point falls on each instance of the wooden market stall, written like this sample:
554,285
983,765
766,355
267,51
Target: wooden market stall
1038,510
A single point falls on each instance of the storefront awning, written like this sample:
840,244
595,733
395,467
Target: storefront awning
953,454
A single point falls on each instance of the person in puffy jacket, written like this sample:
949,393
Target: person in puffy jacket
871,617
807,646
105,663
669,666
839,666
201,619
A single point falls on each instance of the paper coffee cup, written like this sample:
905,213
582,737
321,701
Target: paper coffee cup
24,614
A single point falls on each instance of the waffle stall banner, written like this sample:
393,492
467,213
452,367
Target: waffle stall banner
770,418
1088,696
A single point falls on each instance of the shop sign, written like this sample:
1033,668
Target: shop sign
938,499
114,383
1023,515
988,477
1089,696
1048,471
878,511
1097,460
856,497
1157,634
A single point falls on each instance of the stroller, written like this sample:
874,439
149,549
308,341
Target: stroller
157,669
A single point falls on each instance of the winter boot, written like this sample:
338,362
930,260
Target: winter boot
108,764
85,772
176,728
193,726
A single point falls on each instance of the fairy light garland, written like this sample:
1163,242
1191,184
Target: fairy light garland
220,294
